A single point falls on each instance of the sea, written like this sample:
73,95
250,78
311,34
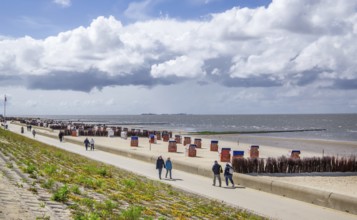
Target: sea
339,127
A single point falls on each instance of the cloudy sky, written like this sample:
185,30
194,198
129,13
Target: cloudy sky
169,56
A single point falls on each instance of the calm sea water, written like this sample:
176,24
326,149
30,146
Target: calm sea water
338,126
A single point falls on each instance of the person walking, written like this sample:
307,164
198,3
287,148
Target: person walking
22,130
168,166
160,163
228,174
92,144
86,143
60,136
217,170
33,133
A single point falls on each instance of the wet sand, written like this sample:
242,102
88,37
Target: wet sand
307,147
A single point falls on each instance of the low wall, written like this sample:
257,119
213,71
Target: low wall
318,197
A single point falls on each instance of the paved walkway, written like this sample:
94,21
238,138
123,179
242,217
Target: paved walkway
272,206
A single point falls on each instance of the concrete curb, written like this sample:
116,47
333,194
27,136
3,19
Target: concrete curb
314,196
318,197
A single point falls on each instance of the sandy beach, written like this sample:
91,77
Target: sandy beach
343,183
277,146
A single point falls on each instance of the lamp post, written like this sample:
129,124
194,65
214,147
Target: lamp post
5,123
5,99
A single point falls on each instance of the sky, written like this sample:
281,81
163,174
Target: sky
80,57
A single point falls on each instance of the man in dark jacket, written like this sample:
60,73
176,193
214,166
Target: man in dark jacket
60,136
86,143
217,170
160,163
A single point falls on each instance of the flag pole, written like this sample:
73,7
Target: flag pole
5,108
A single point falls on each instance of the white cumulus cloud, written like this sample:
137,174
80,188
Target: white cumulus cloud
297,42
182,66
63,3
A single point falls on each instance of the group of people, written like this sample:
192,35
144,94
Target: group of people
89,144
216,169
33,130
160,164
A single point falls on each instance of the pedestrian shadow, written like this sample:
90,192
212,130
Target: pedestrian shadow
235,187
173,179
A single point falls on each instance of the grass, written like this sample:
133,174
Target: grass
9,165
94,190
48,184
61,194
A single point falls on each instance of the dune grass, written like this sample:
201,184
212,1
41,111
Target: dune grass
94,190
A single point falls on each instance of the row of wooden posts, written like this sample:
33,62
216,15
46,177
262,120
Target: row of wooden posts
295,165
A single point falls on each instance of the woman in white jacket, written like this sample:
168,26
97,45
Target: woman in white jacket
92,144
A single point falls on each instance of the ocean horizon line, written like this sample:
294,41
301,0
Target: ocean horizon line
183,114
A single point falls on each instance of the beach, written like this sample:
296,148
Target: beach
281,146
337,182
344,184
277,146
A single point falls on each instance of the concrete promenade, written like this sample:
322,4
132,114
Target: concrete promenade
266,204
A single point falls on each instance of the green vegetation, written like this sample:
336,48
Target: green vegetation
9,165
48,184
93,190
132,213
61,194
